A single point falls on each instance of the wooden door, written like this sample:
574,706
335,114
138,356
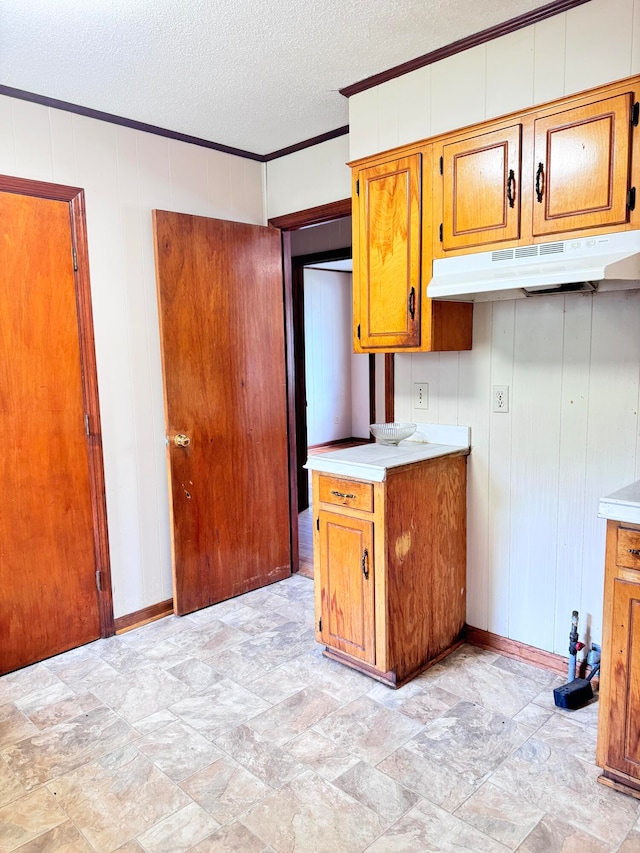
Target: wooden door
481,189
623,724
220,299
387,272
582,167
346,583
53,547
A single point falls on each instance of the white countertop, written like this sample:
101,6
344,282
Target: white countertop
372,461
623,505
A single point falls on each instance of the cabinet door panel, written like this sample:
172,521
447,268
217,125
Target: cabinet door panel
624,678
388,273
582,166
347,594
481,186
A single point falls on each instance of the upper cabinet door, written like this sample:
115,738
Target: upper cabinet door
581,167
388,258
481,189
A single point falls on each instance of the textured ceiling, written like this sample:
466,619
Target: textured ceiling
258,76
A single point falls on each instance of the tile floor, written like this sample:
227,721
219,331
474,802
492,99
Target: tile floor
227,730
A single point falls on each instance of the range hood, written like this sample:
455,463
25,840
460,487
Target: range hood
604,262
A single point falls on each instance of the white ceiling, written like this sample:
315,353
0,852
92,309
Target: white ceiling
258,76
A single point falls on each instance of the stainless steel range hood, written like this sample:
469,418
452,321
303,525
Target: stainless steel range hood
605,262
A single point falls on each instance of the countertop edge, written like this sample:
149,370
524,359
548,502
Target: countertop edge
376,472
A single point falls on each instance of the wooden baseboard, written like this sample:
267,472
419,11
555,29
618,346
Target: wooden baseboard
517,651
141,617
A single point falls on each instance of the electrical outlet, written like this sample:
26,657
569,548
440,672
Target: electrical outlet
500,398
420,395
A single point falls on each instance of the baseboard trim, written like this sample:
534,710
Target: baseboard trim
516,650
142,617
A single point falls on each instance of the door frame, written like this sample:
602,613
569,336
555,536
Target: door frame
74,197
288,223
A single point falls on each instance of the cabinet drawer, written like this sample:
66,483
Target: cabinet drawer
628,548
351,493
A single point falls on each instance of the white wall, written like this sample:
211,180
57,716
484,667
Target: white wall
536,547
327,324
126,173
313,176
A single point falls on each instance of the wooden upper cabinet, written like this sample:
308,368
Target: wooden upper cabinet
481,189
388,257
347,584
581,167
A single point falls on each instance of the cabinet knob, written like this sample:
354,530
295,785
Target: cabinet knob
342,495
365,564
539,186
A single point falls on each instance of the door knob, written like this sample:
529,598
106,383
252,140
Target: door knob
181,440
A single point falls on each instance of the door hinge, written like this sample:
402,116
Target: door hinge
442,165
86,424
358,187
631,199
320,625
99,580
635,114
440,232
75,259
318,523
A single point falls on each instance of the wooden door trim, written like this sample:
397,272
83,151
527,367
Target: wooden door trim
74,196
289,333
313,215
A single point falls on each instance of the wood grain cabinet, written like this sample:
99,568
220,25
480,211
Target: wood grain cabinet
581,164
481,188
392,249
619,715
390,567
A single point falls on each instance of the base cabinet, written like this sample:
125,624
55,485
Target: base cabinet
390,567
619,715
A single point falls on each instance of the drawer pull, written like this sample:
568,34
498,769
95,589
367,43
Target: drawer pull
511,188
539,180
365,564
342,495
635,552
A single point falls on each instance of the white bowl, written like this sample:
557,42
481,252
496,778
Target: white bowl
392,433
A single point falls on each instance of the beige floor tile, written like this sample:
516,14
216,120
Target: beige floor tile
198,675
532,716
130,847
178,750
393,699
155,722
63,839
165,654
560,784
368,730
137,694
497,813
40,699
631,843
310,814
553,835
222,707
294,715
432,779
379,792
118,654
469,739
252,621
67,746
232,838
540,676
180,831
311,669
81,674
225,789
122,784
494,688
429,828
65,709
10,787
565,733
28,817
205,640
14,726
321,754
428,704
271,764
17,684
